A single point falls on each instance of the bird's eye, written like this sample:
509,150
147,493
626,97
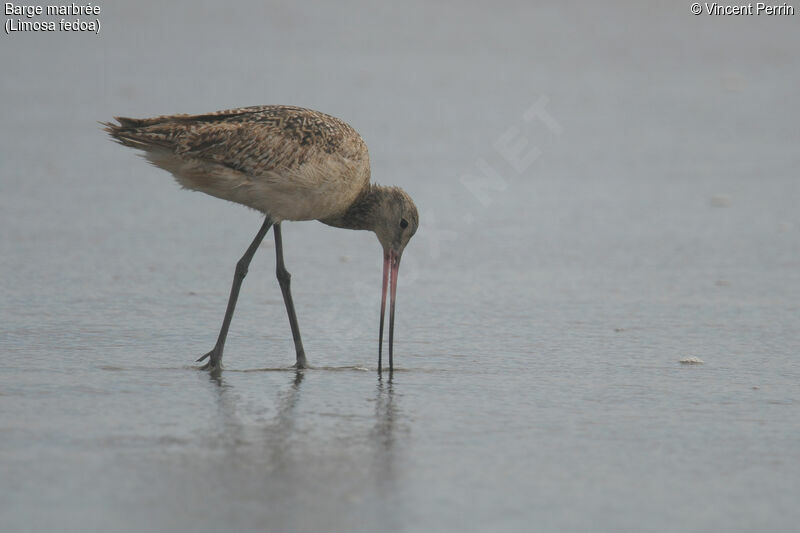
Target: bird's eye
403,223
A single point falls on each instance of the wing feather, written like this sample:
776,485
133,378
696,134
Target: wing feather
254,140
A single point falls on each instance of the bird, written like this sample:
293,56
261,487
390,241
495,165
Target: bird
289,163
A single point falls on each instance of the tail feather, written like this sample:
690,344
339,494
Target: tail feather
141,133
128,122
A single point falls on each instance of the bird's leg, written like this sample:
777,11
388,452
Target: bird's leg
284,279
215,355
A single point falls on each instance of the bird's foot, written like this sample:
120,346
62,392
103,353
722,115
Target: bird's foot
301,361
214,359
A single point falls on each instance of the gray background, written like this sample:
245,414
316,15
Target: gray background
542,311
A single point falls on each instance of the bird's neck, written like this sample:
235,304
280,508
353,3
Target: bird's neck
361,213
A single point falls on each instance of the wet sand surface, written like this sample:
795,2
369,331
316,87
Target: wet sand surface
645,212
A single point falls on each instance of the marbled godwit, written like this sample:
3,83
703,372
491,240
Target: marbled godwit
289,163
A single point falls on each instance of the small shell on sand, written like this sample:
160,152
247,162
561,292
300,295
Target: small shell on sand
720,200
691,361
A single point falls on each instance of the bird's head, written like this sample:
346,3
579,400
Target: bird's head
395,220
392,215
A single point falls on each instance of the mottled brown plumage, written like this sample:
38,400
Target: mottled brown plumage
289,163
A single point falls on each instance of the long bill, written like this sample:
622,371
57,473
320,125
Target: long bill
391,267
386,261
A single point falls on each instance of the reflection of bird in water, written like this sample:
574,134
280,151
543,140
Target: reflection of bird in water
277,434
289,163
384,436
282,453
385,414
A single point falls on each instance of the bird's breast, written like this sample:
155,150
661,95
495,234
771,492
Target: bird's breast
319,187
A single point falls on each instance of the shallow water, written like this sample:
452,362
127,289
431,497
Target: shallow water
542,315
